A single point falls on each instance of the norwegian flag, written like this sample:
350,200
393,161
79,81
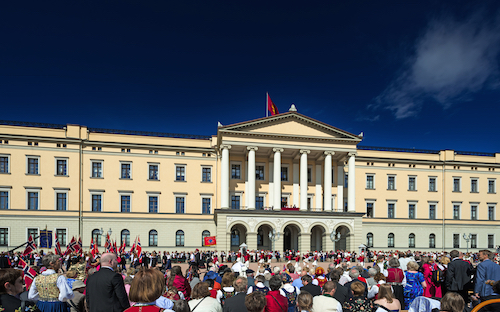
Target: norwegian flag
133,246
31,246
108,244
79,246
138,247
71,246
122,248
58,247
29,273
114,247
92,247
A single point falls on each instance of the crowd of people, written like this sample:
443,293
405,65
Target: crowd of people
369,281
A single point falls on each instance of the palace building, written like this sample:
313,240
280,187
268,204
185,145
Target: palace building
313,185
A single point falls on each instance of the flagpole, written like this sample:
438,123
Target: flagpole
267,110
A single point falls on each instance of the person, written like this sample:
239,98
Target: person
11,286
432,289
259,285
327,302
146,287
256,302
178,281
195,279
51,288
458,274
227,289
358,301
305,302
77,304
181,306
237,302
105,288
373,292
354,275
341,293
386,298
275,301
314,290
496,295
396,278
370,281
289,292
452,302
415,284
486,271
201,300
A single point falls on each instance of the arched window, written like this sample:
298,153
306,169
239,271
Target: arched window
125,237
96,236
411,240
179,238
153,238
432,241
369,240
203,235
235,237
390,240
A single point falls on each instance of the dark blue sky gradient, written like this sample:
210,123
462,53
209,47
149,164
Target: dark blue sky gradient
183,66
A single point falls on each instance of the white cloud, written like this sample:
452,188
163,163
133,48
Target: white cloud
451,61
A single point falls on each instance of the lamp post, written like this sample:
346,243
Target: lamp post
335,238
467,239
274,236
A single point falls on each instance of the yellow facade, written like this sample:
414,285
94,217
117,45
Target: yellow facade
171,190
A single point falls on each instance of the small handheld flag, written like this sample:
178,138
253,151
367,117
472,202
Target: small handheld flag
29,273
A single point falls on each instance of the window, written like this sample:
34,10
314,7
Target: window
126,171
33,233
180,173
259,202
61,236
235,202
179,204
4,199
473,241
4,236
411,211
456,240
96,236
491,183
473,212
96,202
61,167
456,212
235,238
153,172
411,240
96,169
390,240
4,164
390,210
33,165
369,210
203,235
125,203
61,200
205,205
432,241
369,240
236,171
473,186
456,185
370,182
284,173
432,184
179,238
33,200
491,212
412,183
491,241
432,211
391,182
259,172
125,235
153,204
153,238
206,174
309,174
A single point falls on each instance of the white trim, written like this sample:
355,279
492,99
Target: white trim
66,159
33,190
477,184
180,195
488,185
92,161
211,173
435,183
96,192
409,177
61,191
459,184
157,164
395,181
209,196
125,162
366,181
8,236
157,195
38,166
66,238
412,202
453,203
185,172
7,189
8,163
494,205
125,193
471,204
38,233
391,201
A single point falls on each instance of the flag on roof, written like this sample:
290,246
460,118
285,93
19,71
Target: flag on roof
271,107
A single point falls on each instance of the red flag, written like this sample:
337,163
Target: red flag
30,246
138,247
92,247
116,249
133,246
210,241
58,247
29,273
71,246
79,246
271,107
108,244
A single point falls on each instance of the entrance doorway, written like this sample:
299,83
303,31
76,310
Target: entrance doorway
317,238
291,237
238,236
263,241
344,242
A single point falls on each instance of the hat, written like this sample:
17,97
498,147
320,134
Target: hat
286,278
319,271
77,284
250,271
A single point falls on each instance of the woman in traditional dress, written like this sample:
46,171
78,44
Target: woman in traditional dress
396,278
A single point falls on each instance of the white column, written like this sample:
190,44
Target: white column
271,185
328,181
319,193
277,178
251,176
340,186
351,188
303,179
224,172
296,171
245,165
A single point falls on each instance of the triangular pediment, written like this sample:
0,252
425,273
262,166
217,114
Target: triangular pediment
290,124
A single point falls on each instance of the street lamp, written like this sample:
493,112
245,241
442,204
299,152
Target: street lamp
467,239
274,236
335,238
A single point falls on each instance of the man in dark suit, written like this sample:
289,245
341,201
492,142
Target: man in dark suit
341,293
236,303
354,274
458,274
105,288
314,290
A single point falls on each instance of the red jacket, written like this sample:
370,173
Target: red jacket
276,302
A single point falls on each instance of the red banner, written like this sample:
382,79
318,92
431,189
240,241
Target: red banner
271,107
210,241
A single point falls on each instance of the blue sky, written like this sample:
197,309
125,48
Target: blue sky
409,74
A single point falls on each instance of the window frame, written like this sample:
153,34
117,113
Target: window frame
458,215
310,174
179,238
7,190
97,237
372,202
368,186
235,194
435,210
203,174
58,191
99,193
204,197
63,242
473,240
412,188
414,203
393,176
101,162
124,163
411,240
474,211
150,195
492,236
369,240
390,240
7,167
204,233
56,166
474,185
389,203
38,168
37,229
491,182
455,235
258,177
435,184
36,190
454,189
235,163
180,173
432,244
153,234
127,237
287,172
184,202
150,164
123,194
4,235
493,206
